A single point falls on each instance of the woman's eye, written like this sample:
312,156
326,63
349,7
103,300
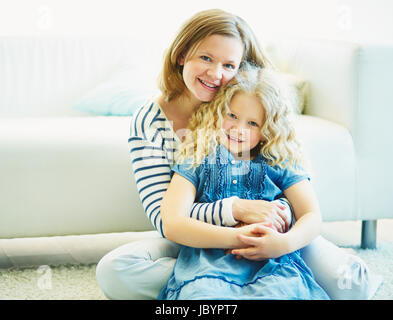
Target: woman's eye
231,115
229,66
253,124
206,58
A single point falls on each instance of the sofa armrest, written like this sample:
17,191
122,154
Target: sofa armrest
350,84
331,70
373,131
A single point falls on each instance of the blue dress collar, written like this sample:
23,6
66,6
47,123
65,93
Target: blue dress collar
225,156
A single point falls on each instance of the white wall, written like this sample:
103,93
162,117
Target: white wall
354,20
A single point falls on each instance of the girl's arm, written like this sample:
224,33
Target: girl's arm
307,213
179,198
152,147
272,244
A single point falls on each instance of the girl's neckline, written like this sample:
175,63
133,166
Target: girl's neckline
224,151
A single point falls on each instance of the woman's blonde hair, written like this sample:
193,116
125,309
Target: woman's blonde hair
193,31
279,146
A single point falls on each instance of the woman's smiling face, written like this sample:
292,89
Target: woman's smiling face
213,64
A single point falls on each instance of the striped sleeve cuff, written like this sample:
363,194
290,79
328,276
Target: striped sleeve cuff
227,215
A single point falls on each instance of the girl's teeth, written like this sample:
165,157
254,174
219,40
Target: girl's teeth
234,139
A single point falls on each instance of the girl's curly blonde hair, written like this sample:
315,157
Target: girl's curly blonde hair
279,146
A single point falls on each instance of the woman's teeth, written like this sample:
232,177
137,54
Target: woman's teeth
207,84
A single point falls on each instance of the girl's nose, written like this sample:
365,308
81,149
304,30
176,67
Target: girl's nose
239,131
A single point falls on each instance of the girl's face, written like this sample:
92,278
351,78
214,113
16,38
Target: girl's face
213,64
241,128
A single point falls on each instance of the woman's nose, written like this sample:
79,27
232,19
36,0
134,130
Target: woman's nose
215,72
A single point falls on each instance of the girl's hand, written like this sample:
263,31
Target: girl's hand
246,230
262,243
254,211
229,251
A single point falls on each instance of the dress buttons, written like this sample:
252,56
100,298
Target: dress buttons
234,181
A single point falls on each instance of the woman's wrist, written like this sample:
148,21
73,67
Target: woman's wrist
228,217
237,209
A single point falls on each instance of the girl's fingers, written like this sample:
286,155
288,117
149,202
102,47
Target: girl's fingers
261,229
249,256
245,252
252,241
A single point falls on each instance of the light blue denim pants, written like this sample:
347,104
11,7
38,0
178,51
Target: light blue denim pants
140,269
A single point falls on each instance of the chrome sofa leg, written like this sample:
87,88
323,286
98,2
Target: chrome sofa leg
369,234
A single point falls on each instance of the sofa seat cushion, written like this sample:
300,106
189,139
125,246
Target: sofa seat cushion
70,175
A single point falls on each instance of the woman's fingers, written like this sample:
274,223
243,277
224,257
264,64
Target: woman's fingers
286,219
281,217
280,205
279,222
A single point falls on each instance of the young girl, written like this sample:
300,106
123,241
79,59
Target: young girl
204,56
241,144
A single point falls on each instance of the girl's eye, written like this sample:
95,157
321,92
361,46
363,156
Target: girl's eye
229,66
231,115
253,124
206,58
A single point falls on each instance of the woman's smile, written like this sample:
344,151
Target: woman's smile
208,86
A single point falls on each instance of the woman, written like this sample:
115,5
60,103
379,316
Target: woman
206,54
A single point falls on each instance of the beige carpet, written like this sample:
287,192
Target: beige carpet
77,282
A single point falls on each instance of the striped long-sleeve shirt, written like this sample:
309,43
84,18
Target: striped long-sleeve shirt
153,144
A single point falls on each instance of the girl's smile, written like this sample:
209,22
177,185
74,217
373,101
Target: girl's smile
241,128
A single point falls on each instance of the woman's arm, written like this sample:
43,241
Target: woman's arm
276,213
178,199
152,147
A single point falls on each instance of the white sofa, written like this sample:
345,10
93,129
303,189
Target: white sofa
67,193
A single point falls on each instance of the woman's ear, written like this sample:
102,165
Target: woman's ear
180,60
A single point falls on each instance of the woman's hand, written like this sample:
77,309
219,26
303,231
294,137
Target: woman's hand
255,211
262,241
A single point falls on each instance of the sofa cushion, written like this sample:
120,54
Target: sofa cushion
62,176
129,87
120,94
